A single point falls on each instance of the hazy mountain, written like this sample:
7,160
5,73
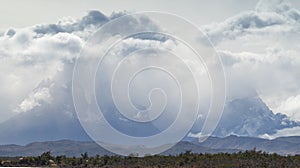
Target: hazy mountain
283,145
57,120
251,117
50,120
62,147
184,146
75,148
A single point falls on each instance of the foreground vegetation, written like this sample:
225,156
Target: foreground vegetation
242,159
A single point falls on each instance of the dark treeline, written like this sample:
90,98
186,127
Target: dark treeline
250,158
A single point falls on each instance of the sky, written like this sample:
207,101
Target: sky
258,42
16,13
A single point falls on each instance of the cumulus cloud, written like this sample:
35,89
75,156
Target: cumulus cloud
61,46
42,58
291,107
259,49
268,18
129,51
10,32
94,19
260,52
31,55
35,99
269,72
27,58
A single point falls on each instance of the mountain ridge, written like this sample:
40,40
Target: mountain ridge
230,144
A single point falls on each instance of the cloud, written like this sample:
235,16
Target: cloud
61,46
291,107
91,20
10,32
39,61
26,59
35,99
295,131
259,49
271,72
268,18
31,55
260,52
144,82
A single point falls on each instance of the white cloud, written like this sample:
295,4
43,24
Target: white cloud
47,52
291,107
260,51
295,131
278,19
35,99
93,20
142,84
27,58
61,46
271,72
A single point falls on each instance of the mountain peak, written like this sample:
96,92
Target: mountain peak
250,116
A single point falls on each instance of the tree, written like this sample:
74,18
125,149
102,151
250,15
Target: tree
45,158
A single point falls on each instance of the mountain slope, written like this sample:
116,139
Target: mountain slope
76,148
251,117
230,144
282,145
243,117
49,120
55,118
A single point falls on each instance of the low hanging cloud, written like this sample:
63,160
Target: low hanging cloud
35,99
291,107
295,131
